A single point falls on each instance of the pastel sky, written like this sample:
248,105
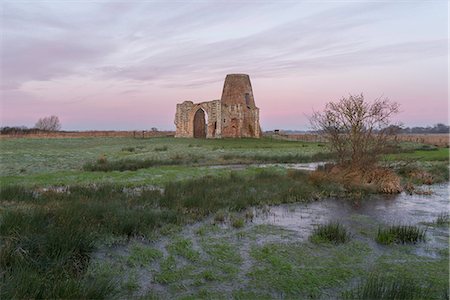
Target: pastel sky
124,65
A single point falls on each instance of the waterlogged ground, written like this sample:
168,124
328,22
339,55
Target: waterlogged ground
265,252
259,253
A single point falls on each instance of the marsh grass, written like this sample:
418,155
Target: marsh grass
105,165
379,287
400,234
47,238
237,222
331,232
220,216
128,149
419,173
183,247
442,219
162,148
143,255
286,158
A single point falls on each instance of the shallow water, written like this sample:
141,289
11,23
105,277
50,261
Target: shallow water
288,223
403,208
371,212
302,166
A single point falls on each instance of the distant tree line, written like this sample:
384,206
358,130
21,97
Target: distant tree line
438,128
20,130
45,124
392,129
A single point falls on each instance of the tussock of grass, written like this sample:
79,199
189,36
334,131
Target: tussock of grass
128,149
220,216
162,148
379,287
237,222
332,232
400,234
443,219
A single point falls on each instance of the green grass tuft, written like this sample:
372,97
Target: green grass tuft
379,287
442,219
332,232
400,234
162,148
237,222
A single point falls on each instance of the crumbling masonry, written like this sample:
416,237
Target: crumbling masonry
234,115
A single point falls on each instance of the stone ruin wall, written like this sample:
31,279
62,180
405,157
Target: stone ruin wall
184,118
240,121
234,115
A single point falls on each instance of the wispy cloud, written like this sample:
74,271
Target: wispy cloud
188,44
173,44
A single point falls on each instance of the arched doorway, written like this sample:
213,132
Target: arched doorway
199,124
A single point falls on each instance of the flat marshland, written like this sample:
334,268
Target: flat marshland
164,218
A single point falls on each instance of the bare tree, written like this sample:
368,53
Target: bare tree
48,123
357,130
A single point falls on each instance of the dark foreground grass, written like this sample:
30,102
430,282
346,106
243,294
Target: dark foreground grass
47,239
104,165
382,287
286,158
331,232
400,234
132,164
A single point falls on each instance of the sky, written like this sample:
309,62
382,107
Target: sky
124,65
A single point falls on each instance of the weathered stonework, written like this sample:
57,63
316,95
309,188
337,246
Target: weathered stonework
234,115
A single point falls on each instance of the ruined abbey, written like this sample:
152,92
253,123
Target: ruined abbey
234,115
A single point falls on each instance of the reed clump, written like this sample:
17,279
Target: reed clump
400,234
332,232
382,287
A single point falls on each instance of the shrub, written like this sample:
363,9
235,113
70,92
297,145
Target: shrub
357,130
332,232
400,234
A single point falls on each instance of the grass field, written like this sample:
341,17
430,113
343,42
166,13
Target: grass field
436,154
61,161
185,230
